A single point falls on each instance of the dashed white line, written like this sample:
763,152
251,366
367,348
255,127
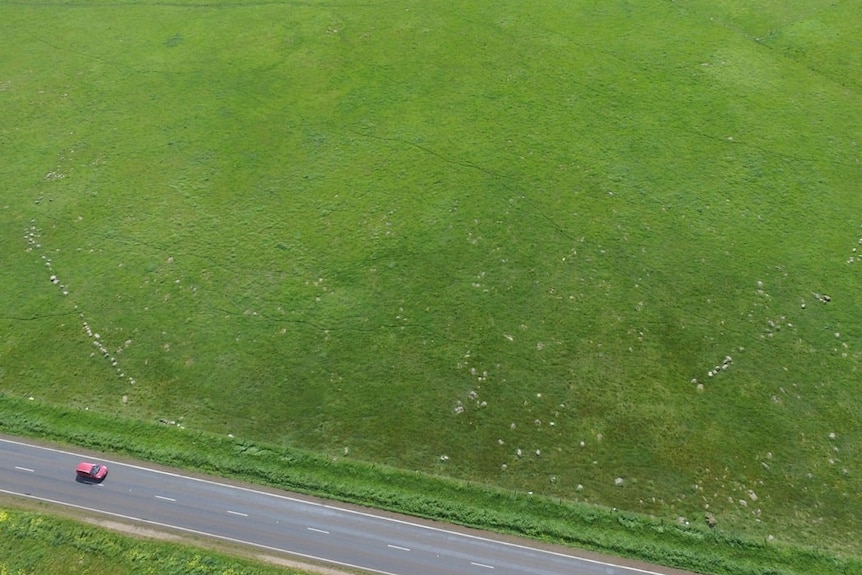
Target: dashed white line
398,547
316,530
237,513
204,533
299,500
481,565
24,469
163,498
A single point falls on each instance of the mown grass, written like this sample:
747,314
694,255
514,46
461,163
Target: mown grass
498,243
33,542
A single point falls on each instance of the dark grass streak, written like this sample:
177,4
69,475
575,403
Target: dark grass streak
470,165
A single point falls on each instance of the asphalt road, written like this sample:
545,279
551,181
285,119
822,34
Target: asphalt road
277,522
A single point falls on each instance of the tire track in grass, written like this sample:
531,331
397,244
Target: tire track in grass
473,166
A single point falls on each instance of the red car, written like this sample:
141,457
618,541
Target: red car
91,471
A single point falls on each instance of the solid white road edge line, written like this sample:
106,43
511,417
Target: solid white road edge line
497,541
336,508
196,532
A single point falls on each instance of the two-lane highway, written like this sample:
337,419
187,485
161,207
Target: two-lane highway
278,522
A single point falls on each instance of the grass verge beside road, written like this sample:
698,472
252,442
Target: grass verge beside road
33,542
692,546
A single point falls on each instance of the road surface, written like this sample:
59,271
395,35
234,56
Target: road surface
277,522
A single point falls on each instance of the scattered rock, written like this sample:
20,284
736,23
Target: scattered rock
710,520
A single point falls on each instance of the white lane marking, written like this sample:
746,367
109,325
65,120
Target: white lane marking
316,530
237,513
24,469
163,498
203,533
481,565
345,510
495,541
168,473
398,547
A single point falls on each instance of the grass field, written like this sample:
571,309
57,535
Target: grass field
604,252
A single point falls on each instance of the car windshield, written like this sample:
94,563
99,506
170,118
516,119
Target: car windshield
95,469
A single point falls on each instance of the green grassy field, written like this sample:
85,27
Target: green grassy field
507,244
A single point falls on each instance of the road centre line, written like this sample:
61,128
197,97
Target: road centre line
316,530
163,498
337,508
490,540
168,473
24,469
481,565
237,513
195,531
398,547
